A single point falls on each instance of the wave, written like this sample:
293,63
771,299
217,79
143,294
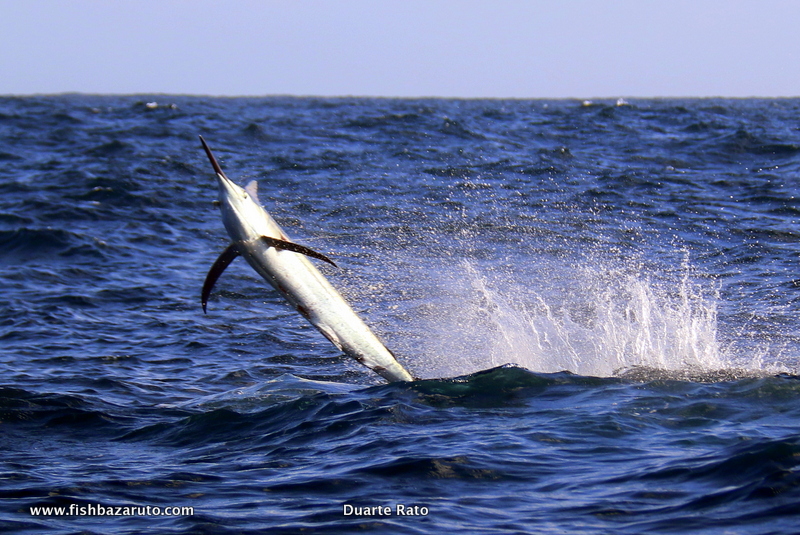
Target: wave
289,408
34,242
524,437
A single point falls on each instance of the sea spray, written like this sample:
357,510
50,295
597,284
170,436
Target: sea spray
606,321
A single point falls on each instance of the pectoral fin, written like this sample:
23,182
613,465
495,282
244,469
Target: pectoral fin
216,270
294,247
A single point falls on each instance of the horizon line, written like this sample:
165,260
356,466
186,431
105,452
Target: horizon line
619,98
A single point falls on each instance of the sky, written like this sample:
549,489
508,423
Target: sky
403,48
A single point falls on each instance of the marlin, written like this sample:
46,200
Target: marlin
285,265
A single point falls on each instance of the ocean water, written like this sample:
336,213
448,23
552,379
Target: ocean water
601,302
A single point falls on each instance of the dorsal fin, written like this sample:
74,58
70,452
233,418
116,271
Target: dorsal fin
219,265
252,189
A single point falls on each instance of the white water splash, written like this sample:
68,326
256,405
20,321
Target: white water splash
600,322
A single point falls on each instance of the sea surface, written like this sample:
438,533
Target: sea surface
601,301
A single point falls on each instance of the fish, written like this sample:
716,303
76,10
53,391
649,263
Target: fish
285,265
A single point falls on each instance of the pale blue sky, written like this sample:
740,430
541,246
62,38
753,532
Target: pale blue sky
408,48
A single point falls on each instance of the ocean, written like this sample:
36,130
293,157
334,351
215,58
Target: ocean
600,300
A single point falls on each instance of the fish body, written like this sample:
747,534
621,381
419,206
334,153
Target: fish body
285,265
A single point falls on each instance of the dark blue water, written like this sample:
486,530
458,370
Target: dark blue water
637,264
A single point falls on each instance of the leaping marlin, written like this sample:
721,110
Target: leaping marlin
284,264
